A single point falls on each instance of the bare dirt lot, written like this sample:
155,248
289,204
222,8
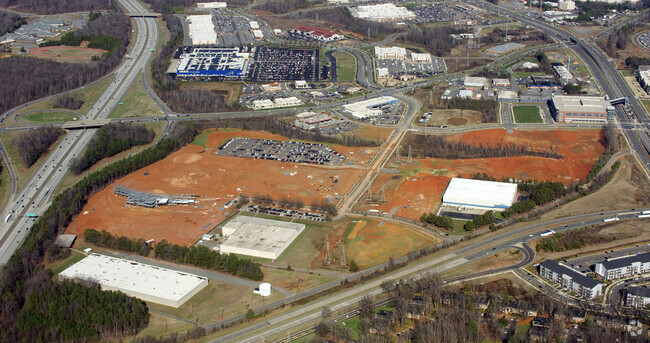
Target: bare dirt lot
215,180
455,117
418,187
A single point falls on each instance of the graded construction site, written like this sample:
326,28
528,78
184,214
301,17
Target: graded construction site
410,189
215,180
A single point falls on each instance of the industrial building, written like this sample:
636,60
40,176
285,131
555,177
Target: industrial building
202,29
541,82
558,16
382,12
149,283
501,82
369,108
626,266
570,279
503,49
277,102
479,194
581,109
317,33
637,297
259,237
227,63
390,53
563,72
311,121
473,82
644,79
209,5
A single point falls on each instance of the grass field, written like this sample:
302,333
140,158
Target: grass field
625,72
303,249
70,179
527,114
207,305
646,103
48,117
292,280
161,326
59,266
5,185
136,103
346,66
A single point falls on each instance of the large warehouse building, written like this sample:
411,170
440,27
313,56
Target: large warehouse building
581,109
149,283
265,238
202,30
381,12
370,108
480,194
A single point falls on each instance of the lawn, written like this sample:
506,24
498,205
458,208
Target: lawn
216,299
346,66
48,117
646,103
161,326
292,280
136,103
527,114
625,72
59,266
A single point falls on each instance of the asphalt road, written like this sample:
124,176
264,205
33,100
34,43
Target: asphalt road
36,195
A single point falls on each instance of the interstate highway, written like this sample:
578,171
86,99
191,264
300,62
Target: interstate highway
36,194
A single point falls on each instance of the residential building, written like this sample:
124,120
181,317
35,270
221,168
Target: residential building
637,297
570,279
626,266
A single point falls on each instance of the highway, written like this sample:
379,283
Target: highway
35,197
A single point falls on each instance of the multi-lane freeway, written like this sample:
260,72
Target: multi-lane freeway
35,196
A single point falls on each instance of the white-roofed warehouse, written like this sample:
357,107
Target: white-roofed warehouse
265,238
149,283
480,194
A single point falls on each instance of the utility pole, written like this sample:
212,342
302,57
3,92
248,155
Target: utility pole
410,160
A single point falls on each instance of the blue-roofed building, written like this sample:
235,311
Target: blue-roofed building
227,63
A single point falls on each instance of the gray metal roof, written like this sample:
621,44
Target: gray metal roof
639,291
578,277
625,261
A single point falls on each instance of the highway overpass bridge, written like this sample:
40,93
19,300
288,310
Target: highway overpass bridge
144,15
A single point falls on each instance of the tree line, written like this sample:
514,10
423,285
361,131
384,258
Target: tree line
31,78
108,32
439,221
285,6
488,108
110,140
68,311
72,102
33,144
342,16
204,257
24,273
106,240
10,22
436,40
435,146
55,6
486,218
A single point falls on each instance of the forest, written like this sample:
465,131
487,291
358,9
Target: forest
10,22
67,311
342,16
54,6
106,240
434,146
170,6
436,40
285,6
111,140
71,102
33,78
33,144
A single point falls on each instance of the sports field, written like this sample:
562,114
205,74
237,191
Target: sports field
527,114
346,66
194,169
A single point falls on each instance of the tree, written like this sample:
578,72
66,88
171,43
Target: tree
326,312
366,307
250,315
353,267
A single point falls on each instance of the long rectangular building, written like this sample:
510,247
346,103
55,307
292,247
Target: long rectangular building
626,266
149,283
369,108
202,29
581,109
637,297
479,194
265,238
570,279
227,63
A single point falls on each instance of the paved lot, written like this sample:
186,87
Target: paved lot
587,263
273,63
284,151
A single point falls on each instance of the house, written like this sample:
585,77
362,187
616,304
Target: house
539,328
482,303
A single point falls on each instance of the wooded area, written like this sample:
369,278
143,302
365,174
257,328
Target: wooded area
110,140
54,6
67,311
434,146
32,78
10,22
435,40
285,6
33,144
342,16
106,240
72,102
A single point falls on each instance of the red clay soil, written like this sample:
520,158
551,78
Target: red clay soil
216,180
580,149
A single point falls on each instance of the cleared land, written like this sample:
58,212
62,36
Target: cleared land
346,66
370,242
231,91
293,280
216,180
417,188
371,132
455,117
66,53
628,188
48,117
497,260
527,114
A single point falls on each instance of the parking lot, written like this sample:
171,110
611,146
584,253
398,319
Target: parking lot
586,264
283,151
390,115
232,30
436,13
276,64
